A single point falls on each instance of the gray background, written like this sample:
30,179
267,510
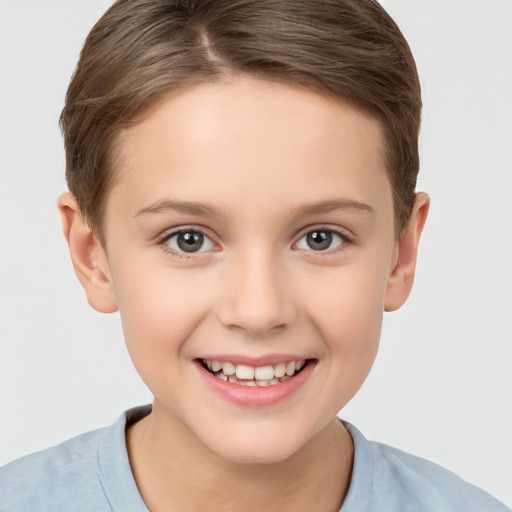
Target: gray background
442,384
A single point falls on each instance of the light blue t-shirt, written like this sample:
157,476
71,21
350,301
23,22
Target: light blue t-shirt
91,473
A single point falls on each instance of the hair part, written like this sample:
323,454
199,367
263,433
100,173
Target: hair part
141,51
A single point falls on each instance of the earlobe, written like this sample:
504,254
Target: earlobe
402,275
88,256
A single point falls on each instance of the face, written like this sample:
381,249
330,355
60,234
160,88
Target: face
250,243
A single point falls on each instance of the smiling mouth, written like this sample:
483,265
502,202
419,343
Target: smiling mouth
261,376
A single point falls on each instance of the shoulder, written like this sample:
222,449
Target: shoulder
53,475
88,473
396,480
428,483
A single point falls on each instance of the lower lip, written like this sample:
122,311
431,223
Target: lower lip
254,396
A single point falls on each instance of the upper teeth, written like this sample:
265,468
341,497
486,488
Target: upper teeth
259,373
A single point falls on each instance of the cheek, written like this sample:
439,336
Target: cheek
349,320
158,313
348,311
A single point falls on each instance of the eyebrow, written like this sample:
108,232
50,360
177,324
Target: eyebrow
206,210
333,205
186,207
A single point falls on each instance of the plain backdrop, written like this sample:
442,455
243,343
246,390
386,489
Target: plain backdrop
441,387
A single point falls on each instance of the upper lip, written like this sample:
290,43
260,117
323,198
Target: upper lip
265,360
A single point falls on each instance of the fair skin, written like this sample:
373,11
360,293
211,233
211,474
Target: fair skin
291,256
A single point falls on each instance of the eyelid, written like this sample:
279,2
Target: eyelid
171,232
168,232
344,234
347,237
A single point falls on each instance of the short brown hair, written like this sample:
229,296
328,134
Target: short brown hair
142,50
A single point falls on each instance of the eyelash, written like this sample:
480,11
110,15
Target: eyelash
163,242
346,240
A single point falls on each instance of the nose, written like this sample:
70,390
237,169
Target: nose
258,300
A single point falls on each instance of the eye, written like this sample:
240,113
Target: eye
321,240
188,241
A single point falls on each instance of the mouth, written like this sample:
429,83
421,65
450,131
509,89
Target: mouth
255,376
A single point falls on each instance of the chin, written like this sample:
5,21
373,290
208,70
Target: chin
256,447
256,454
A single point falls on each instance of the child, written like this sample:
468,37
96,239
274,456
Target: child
242,180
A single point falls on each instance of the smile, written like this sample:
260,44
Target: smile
261,376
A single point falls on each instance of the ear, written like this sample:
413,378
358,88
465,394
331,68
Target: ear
402,276
88,256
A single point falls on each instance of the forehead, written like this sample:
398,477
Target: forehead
247,142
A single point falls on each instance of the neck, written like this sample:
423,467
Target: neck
174,471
